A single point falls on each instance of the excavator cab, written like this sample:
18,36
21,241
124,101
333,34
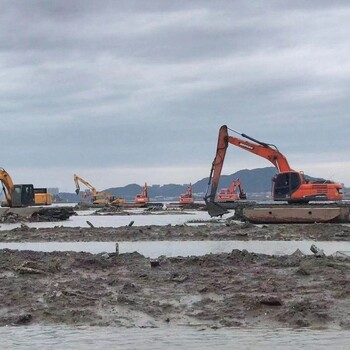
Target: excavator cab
23,195
284,184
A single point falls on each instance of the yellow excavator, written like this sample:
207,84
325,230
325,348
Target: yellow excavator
23,195
98,197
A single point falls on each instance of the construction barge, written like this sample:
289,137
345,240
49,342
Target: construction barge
273,213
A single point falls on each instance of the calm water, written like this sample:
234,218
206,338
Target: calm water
36,337
154,249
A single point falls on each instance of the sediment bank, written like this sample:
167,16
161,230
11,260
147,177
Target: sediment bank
237,289
228,231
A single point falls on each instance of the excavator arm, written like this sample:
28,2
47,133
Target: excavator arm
78,179
144,192
234,185
217,165
7,184
242,194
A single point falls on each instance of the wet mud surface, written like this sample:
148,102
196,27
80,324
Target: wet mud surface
35,214
228,231
237,289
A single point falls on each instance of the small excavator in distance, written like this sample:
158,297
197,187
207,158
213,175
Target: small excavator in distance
288,185
187,197
230,194
23,195
102,197
142,198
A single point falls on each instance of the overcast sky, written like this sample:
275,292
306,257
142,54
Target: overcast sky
125,92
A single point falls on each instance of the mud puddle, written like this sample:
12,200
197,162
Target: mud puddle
153,249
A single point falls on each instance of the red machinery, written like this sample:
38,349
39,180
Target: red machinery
230,194
187,198
288,185
142,198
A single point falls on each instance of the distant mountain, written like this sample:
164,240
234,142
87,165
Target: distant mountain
130,191
253,181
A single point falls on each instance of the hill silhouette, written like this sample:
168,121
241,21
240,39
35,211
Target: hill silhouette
253,181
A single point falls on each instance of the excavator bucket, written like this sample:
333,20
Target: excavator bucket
242,195
77,191
215,209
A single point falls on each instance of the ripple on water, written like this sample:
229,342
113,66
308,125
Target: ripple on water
62,337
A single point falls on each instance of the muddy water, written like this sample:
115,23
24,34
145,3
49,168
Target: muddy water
154,249
118,221
39,337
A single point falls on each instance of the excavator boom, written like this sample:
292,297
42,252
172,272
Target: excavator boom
262,149
78,179
7,184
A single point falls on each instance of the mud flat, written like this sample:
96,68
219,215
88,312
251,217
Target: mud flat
228,231
237,289
35,214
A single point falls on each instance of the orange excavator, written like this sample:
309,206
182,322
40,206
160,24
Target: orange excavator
230,194
187,197
142,198
288,185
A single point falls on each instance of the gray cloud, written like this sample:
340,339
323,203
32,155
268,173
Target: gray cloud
114,84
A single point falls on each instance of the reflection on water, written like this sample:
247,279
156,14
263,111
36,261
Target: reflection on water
59,337
154,249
